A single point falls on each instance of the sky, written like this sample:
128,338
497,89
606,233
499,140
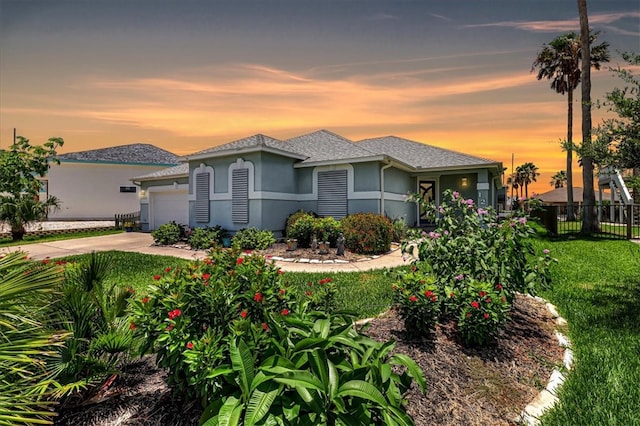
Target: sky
188,75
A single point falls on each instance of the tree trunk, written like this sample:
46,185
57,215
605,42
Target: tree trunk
589,218
17,233
570,214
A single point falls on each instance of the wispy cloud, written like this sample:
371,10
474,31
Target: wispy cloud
381,17
441,17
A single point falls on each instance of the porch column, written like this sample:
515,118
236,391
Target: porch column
483,189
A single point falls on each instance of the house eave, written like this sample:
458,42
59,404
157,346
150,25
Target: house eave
340,161
155,178
241,151
497,166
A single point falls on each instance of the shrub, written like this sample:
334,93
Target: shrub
483,310
207,237
253,239
293,218
301,227
327,229
168,233
367,233
400,230
189,311
417,300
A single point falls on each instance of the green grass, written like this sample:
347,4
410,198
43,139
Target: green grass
597,289
34,239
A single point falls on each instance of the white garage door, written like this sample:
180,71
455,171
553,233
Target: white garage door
167,206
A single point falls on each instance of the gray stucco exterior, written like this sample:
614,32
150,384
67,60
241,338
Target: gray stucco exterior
259,181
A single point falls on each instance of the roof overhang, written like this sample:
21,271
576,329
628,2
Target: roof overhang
154,178
497,166
340,161
241,151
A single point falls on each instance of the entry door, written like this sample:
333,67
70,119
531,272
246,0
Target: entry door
427,189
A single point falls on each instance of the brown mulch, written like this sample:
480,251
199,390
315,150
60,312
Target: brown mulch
280,249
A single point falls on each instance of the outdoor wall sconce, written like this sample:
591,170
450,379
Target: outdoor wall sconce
464,182
143,193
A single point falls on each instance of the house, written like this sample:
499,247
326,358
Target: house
259,180
96,184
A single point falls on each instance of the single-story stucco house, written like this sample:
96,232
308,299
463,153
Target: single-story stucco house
259,181
96,184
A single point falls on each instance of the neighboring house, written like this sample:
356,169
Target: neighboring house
558,196
96,184
259,181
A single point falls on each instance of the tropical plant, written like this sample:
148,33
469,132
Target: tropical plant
559,179
168,233
27,347
483,309
560,62
527,173
253,239
417,299
21,209
207,237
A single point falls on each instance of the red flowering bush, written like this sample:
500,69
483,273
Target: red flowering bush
367,233
321,296
188,311
483,309
417,300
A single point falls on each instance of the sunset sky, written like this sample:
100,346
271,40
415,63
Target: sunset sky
187,75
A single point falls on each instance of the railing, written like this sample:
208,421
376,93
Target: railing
614,220
131,220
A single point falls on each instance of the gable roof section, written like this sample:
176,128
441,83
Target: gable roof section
258,142
137,153
327,147
181,170
421,156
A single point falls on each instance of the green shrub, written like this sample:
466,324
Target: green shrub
483,310
327,229
253,239
301,227
367,233
293,218
417,299
207,237
168,233
400,230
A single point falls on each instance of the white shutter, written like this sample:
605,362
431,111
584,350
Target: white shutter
202,198
332,193
240,196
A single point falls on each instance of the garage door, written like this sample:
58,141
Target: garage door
167,206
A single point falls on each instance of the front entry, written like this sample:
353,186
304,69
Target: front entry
427,189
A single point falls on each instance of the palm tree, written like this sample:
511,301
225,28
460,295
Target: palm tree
528,173
559,61
559,179
26,381
19,211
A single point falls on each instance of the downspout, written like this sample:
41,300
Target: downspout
494,193
382,187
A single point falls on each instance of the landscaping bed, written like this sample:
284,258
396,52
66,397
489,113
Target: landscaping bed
479,386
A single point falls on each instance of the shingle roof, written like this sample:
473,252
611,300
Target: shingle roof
419,155
254,141
559,195
139,153
175,171
326,146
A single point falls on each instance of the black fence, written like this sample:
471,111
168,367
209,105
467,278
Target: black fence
614,220
128,220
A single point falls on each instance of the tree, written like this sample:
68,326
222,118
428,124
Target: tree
559,61
527,173
589,218
21,166
559,179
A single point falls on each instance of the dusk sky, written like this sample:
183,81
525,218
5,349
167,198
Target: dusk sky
187,75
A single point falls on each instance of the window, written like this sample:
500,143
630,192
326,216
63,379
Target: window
332,193
202,198
129,189
240,195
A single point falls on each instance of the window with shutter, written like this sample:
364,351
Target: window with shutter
332,193
240,196
202,198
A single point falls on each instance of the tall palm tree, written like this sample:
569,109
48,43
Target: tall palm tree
559,61
528,173
559,179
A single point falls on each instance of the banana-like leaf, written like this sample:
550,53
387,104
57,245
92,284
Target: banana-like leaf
311,342
259,405
230,412
242,363
364,390
301,378
322,327
319,367
413,369
401,418
334,380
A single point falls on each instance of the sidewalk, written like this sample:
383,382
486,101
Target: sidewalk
143,243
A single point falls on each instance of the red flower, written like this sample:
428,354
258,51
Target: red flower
167,269
285,312
482,293
175,313
475,305
132,326
205,276
468,314
265,327
145,300
189,345
280,272
488,300
413,298
499,286
428,293
208,261
451,295
308,293
283,291
170,327
434,298
243,314
45,261
239,260
486,315
247,251
156,277
258,297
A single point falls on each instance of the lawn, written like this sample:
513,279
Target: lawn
33,239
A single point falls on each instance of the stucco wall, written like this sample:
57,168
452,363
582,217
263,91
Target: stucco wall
91,191
366,177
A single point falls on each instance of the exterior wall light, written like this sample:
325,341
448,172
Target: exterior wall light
464,182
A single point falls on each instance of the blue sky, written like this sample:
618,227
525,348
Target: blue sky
186,75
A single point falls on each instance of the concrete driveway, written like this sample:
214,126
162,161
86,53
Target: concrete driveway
140,242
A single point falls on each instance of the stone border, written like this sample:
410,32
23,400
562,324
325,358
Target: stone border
548,397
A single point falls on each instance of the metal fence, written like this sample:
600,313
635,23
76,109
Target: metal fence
615,220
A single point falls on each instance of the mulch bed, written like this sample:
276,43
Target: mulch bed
280,250
482,386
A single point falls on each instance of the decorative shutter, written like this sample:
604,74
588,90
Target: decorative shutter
332,193
202,198
240,196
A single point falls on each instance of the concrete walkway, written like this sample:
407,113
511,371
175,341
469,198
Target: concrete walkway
143,243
